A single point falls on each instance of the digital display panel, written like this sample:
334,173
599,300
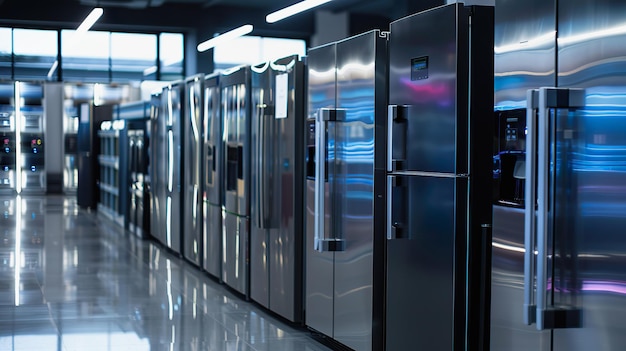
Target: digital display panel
419,68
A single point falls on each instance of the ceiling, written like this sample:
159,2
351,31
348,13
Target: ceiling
205,17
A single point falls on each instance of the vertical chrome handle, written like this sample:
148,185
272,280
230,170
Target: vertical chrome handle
391,233
539,134
320,171
396,139
529,217
260,157
392,113
543,159
324,242
170,160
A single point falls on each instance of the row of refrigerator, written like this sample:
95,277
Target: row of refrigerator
22,158
349,191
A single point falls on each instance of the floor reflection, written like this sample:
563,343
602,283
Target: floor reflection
70,280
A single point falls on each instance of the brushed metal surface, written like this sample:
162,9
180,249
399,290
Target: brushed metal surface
261,160
235,95
286,233
508,332
157,168
192,208
432,102
213,178
354,189
235,270
319,265
420,269
173,111
591,56
212,251
525,41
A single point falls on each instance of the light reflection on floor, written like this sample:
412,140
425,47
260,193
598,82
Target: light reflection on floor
80,283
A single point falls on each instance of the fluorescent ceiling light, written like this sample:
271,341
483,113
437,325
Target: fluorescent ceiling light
89,21
230,35
293,9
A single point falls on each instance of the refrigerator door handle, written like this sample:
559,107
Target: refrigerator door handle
260,179
322,242
548,99
529,216
394,226
396,114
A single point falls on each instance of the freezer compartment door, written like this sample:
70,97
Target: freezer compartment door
235,258
319,275
421,265
212,241
428,79
259,266
508,333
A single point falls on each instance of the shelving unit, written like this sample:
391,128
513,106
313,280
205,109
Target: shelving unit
109,160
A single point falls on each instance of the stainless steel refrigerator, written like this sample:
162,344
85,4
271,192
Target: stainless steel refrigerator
236,114
192,161
568,282
157,167
167,164
439,179
213,192
277,188
346,104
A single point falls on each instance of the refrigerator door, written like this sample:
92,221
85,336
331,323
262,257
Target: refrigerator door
591,56
173,202
428,78
518,67
319,265
212,228
421,269
192,209
353,190
157,168
262,193
235,256
235,87
285,220
235,94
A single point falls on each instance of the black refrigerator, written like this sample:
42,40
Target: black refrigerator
439,179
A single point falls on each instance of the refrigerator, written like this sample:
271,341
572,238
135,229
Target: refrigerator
213,192
347,102
167,166
236,114
192,161
558,271
277,188
157,167
439,169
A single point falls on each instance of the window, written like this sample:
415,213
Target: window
133,56
171,52
35,52
86,57
93,57
253,50
6,49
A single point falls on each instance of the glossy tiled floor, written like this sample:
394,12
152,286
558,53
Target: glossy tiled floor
82,284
